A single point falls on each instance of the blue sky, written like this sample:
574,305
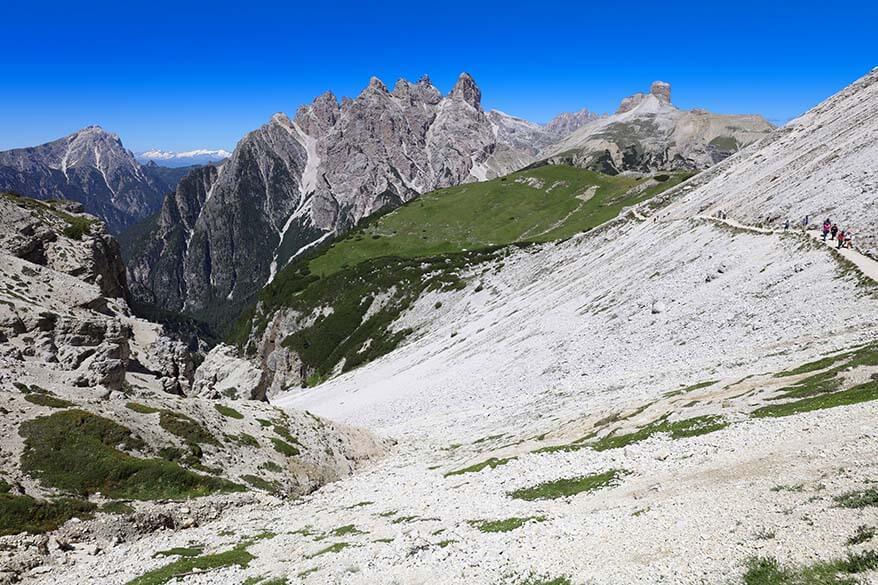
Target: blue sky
182,75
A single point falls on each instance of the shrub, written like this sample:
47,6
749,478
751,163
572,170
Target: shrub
78,452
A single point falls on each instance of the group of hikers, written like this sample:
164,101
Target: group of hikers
831,229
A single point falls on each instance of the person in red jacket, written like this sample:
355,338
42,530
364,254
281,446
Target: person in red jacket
840,239
827,225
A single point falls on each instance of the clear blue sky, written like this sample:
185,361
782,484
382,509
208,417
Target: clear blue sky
182,75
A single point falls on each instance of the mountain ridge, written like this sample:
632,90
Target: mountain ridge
304,179
90,166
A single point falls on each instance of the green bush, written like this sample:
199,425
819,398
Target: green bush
26,514
185,428
228,411
79,452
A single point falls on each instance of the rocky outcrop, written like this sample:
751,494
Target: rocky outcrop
174,365
648,133
291,184
92,167
566,123
59,236
225,374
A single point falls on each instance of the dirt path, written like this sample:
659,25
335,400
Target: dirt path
864,264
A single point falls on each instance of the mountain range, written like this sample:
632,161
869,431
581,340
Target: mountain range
649,133
294,184
547,377
201,156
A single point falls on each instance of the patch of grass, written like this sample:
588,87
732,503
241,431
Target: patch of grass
247,440
691,388
47,400
263,484
306,572
189,551
271,466
492,463
820,364
116,507
27,514
546,581
228,411
861,393
332,548
788,488
346,530
237,556
79,452
360,505
563,488
76,226
505,525
283,447
767,571
690,427
141,408
488,439
863,534
286,435
858,498
565,448
186,428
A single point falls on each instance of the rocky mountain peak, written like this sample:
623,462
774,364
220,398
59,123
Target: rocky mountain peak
466,89
376,84
662,90
315,119
567,122
422,91
282,120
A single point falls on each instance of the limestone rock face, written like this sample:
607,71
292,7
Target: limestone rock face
91,167
289,185
661,90
224,374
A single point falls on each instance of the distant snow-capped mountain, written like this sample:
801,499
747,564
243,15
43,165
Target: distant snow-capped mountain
200,156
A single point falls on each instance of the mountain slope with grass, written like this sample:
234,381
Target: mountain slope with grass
297,182
336,309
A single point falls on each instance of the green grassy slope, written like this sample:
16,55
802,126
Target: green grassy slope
422,246
536,205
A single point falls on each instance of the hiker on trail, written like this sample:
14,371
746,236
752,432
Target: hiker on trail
805,223
840,239
786,225
833,230
827,225
847,240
